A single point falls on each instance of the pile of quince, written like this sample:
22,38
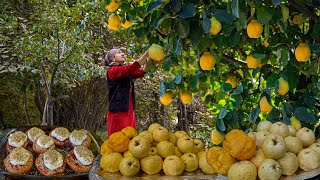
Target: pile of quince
151,151
278,150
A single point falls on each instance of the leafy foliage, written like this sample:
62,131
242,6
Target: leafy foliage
182,27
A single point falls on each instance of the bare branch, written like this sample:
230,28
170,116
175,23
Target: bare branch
304,10
233,60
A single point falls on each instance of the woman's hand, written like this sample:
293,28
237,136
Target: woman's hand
143,58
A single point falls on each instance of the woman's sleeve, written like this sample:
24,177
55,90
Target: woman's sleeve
117,72
138,74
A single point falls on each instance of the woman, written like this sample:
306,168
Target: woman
121,89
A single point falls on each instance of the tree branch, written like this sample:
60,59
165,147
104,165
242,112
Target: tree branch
304,10
232,60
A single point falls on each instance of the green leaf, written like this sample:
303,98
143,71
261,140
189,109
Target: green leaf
162,88
315,47
178,79
287,121
175,6
153,6
285,12
188,10
258,56
276,2
193,83
264,15
235,8
274,115
206,24
271,81
238,90
253,115
223,15
284,56
220,125
195,33
236,100
288,108
304,115
234,38
177,45
226,87
183,29
223,113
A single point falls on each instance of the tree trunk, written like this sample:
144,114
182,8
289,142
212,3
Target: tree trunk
47,118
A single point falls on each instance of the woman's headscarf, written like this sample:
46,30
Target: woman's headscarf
109,57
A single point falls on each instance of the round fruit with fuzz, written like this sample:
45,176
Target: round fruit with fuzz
191,162
254,29
153,126
198,145
203,152
283,86
165,149
265,42
173,166
280,129
207,61
289,163
127,153
151,164
220,159
173,138
252,135
118,142
177,152
260,137
180,134
105,149
110,162
240,145
153,151
186,97
265,107
185,144
242,170
160,134
130,132
258,158
139,147
274,146
147,134
114,22
113,6
302,52
315,147
269,169
293,144
204,166
129,166
306,136
166,99
297,19
292,130
156,52
264,126
233,81
252,62
308,159
295,123
127,24
215,26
